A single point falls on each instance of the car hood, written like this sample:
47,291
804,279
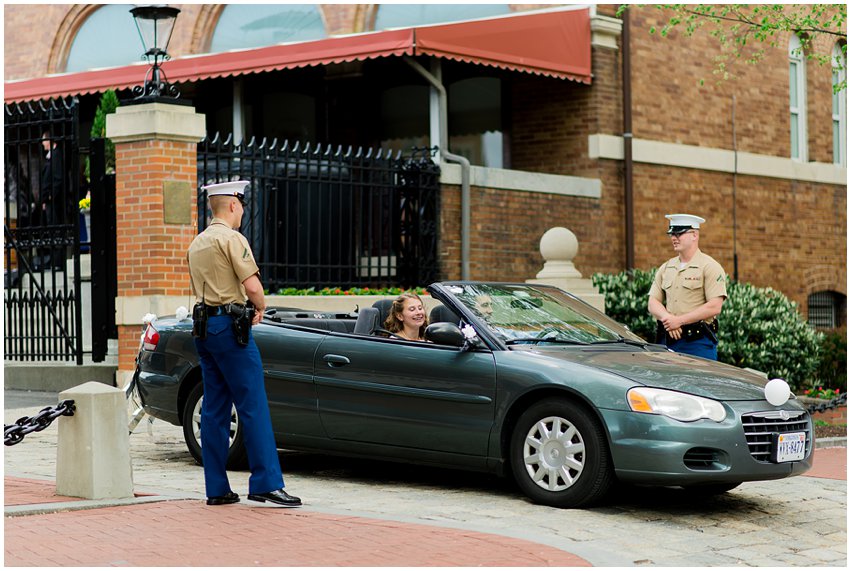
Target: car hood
668,370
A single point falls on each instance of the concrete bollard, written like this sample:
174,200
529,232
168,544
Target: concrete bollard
93,450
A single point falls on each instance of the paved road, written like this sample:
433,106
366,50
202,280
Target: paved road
794,522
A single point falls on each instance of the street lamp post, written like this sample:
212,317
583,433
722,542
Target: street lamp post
155,25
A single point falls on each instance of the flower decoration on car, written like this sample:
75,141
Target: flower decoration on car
181,313
148,318
469,332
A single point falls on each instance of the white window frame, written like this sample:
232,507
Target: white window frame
798,113
839,107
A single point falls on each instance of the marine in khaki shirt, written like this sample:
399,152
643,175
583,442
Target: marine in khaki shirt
220,260
688,288
223,271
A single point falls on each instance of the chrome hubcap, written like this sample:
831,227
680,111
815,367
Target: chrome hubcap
554,453
196,423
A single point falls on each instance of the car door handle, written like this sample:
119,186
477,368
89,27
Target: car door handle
336,360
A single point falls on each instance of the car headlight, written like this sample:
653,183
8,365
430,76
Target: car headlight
679,406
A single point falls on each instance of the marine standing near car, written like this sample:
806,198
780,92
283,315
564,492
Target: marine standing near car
223,275
688,292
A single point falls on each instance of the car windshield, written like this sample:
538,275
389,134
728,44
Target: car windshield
521,314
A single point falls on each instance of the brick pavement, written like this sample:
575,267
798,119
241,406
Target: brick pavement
190,533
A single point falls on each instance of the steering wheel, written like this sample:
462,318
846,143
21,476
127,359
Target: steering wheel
389,334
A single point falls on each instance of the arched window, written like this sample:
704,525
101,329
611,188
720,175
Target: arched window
401,15
840,106
113,26
255,25
797,100
826,309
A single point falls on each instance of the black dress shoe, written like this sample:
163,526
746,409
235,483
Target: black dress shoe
229,498
277,499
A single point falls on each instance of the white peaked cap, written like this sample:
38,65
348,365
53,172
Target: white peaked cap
687,220
235,188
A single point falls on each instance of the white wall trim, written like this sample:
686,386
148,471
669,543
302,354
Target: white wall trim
605,31
507,179
602,146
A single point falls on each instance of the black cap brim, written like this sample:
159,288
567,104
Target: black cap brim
677,230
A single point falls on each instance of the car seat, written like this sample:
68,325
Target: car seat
383,306
368,321
442,314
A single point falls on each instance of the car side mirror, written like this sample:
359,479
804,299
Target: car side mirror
444,333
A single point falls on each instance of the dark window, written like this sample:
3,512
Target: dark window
826,309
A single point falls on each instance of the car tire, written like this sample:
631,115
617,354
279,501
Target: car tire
237,455
559,455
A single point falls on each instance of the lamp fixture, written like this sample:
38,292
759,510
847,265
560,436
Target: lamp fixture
155,24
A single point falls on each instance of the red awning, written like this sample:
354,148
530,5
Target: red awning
555,43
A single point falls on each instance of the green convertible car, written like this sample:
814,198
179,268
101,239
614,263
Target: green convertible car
515,379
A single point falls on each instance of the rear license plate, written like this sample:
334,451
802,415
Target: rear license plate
790,446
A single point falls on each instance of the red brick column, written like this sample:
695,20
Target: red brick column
156,215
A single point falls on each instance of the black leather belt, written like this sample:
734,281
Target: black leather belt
214,310
227,309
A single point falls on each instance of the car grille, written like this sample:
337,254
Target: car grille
759,426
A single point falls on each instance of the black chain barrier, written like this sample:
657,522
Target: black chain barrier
833,403
14,433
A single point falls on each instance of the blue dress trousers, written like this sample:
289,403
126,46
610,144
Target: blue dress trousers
234,375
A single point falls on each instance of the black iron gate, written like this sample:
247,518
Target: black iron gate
319,217
102,245
43,313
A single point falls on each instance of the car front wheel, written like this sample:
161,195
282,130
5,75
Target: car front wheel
237,456
559,455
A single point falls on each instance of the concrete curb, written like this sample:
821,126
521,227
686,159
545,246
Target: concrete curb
53,507
832,442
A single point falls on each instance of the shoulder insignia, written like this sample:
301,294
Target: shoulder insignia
245,253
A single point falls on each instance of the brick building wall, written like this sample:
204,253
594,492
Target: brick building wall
789,235
670,104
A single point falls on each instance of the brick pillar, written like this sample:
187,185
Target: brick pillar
156,215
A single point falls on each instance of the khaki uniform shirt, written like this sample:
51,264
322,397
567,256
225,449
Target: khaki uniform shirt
681,290
220,259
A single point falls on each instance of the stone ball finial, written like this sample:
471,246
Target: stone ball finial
559,244
558,247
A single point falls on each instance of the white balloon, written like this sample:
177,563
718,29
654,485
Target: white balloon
777,391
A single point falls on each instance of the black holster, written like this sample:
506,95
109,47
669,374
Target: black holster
199,321
242,318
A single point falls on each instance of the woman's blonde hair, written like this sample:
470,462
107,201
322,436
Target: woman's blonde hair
393,324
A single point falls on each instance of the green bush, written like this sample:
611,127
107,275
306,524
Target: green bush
108,104
833,364
626,300
760,328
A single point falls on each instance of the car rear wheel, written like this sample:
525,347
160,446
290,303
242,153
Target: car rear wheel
559,455
237,456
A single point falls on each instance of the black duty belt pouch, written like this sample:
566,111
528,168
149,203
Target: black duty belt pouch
199,321
242,318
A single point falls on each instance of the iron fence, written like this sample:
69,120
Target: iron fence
323,217
43,314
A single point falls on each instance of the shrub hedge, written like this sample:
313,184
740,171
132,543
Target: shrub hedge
760,328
